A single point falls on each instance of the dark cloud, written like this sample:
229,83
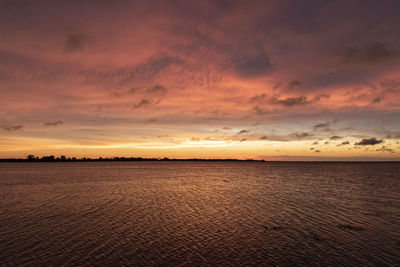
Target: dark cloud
297,101
157,90
258,98
53,123
143,103
152,92
385,149
286,102
252,64
300,135
11,128
264,137
335,137
242,132
260,111
243,139
320,97
376,100
369,142
344,143
155,65
321,125
74,43
290,101
293,84
317,151
369,54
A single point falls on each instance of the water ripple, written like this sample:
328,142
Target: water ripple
183,213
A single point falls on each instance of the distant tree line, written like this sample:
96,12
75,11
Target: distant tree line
52,158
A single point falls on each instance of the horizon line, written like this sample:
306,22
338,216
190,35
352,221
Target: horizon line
52,158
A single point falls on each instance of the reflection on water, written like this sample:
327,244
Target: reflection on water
199,213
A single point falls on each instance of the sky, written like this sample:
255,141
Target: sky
274,80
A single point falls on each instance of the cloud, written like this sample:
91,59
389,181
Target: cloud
320,97
290,101
321,125
286,102
393,136
391,86
22,67
242,132
251,64
203,56
293,84
300,135
11,128
157,90
243,139
385,149
260,111
145,71
55,123
143,103
296,101
317,151
335,137
344,143
74,43
369,54
257,98
369,142
376,100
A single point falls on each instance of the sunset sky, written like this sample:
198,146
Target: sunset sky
274,80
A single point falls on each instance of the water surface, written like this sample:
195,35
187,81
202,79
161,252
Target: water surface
199,213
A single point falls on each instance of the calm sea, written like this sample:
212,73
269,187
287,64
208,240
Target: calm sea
199,213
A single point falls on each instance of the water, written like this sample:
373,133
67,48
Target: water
199,213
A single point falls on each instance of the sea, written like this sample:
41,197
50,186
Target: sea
199,214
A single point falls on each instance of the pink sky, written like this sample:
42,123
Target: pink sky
229,79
